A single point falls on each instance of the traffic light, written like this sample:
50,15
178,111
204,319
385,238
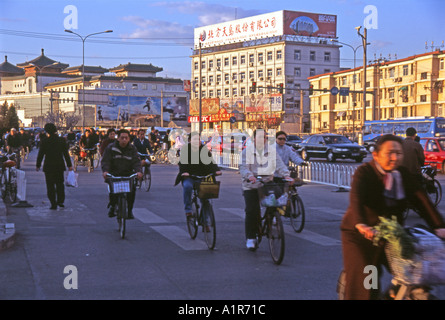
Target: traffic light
253,88
280,88
311,89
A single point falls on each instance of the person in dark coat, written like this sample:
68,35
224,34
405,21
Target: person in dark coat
55,151
380,188
197,160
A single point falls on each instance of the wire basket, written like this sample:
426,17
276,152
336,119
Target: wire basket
116,186
208,189
273,194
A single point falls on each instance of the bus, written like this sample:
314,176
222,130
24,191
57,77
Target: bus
425,126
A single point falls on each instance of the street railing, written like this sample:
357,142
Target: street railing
331,174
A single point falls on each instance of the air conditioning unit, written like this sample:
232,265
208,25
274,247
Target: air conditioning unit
227,82
241,80
391,100
405,99
261,78
209,69
261,62
400,79
251,64
203,84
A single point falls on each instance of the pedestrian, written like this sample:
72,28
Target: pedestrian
413,156
380,188
55,152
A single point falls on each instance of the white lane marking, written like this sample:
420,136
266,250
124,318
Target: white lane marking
180,237
146,216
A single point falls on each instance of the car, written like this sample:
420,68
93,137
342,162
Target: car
434,151
331,147
220,143
293,141
370,144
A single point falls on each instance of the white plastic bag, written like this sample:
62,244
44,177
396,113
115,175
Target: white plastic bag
71,179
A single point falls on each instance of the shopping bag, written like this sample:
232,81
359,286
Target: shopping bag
71,179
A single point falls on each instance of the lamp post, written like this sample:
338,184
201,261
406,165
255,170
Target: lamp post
83,69
41,86
353,89
364,37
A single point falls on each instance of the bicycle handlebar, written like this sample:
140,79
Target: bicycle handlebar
123,178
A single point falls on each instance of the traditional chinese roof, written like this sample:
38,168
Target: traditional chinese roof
42,61
136,68
8,69
88,69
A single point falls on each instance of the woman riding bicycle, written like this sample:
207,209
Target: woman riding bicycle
195,160
380,188
258,159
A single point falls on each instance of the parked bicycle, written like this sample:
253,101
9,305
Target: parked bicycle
205,188
121,186
145,183
8,181
274,197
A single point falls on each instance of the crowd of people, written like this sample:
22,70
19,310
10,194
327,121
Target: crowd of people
382,187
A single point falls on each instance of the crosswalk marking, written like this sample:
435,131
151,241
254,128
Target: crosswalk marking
180,237
146,216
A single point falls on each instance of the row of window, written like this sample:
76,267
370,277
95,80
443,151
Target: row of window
260,57
211,93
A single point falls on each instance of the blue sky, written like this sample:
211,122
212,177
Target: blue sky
161,32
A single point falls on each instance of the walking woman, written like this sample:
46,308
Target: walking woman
55,152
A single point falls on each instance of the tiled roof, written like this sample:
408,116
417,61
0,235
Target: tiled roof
42,61
136,67
10,69
88,69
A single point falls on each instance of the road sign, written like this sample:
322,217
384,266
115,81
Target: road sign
334,91
344,91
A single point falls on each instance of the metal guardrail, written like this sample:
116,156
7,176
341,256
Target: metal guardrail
331,174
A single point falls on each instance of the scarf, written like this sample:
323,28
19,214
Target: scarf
393,185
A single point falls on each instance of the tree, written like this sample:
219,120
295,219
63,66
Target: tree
11,119
62,120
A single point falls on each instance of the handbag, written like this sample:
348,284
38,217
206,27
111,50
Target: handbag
71,179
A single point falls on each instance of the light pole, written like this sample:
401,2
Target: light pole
353,89
83,69
41,86
364,37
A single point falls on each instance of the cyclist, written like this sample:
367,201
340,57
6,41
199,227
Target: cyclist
258,159
141,143
286,152
88,140
414,157
14,142
194,160
379,188
121,159
110,138
24,135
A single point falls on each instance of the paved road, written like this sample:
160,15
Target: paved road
158,260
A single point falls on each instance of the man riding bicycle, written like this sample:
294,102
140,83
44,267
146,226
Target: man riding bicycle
141,143
121,159
286,153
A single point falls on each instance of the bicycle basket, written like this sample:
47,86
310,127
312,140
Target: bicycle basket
208,190
273,194
121,185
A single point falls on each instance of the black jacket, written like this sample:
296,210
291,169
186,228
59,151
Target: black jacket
55,152
121,161
195,164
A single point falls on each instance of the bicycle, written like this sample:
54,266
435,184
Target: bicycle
273,196
146,172
121,186
205,188
431,186
162,156
89,158
8,181
295,207
411,280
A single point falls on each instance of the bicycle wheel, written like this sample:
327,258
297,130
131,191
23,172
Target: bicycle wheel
122,215
147,179
192,221
209,224
297,214
434,191
75,163
275,235
90,164
159,156
4,184
96,160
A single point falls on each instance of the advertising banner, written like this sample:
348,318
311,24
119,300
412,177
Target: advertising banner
208,105
264,103
232,104
310,24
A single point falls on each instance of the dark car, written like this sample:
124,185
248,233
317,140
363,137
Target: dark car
293,141
331,147
370,144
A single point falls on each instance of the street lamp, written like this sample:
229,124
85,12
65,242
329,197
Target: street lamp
41,86
354,100
83,69
364,37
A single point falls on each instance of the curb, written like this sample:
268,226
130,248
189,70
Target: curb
7,230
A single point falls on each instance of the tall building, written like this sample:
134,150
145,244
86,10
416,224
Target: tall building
274,52
409,87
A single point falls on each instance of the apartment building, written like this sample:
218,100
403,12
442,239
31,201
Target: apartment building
409,87
276,53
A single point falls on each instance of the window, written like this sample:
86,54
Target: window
327,56
203,64
260,73
251,58
243,91
279,54
234,61
210,63
218,63
423,98
211,79
343,81
196,65
279,72
243,59
297,54
260,57
297,72
423,75
218,78
442,64
405,70
226,92
269,73
234,91
269,56
218,93
234,76
312,72
251,75
226,77
211,93
312,56
392,72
